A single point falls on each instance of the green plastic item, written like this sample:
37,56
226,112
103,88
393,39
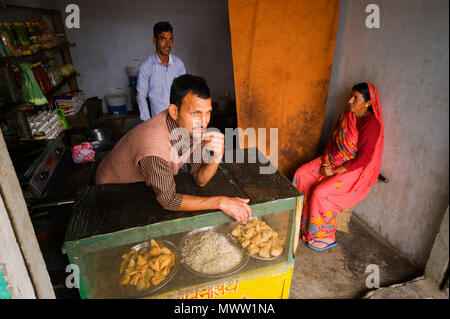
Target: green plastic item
31,92
62,118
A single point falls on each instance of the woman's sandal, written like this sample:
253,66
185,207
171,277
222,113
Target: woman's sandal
323,248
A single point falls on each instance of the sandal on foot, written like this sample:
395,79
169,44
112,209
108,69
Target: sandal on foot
323,248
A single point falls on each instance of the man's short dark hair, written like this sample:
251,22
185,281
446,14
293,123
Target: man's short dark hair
161,27
185,84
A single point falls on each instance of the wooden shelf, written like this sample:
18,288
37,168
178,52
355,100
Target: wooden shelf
4,5
118,129
43,54
15,108
128,115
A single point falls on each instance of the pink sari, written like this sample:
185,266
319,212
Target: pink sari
325,197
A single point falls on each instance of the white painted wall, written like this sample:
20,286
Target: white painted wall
114,32
408,60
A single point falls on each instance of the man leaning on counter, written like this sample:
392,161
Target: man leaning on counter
146,153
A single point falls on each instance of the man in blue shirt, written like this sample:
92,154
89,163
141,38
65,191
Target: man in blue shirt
157,73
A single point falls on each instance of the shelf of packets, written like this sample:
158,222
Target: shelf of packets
47,124
27,38
70,102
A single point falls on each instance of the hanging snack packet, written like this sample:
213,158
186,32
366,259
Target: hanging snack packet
31,92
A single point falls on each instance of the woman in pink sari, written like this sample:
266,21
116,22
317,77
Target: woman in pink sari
347,170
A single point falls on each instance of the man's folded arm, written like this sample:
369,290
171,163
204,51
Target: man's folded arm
159,177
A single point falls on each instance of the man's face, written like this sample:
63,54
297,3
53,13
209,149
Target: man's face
164,43
194,114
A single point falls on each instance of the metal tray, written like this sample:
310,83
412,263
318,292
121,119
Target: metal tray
221,229
140,293
233,239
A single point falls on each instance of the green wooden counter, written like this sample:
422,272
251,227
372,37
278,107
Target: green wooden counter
107,220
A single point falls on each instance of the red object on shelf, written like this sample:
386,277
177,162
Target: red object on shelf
42,78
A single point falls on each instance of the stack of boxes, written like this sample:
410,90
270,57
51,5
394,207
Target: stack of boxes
70,103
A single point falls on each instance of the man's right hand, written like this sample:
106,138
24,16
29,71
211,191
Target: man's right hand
236,208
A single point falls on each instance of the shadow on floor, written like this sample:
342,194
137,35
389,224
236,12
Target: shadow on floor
340,272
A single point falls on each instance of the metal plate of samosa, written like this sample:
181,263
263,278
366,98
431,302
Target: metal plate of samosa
152,271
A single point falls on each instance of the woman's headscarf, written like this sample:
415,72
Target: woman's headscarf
372,170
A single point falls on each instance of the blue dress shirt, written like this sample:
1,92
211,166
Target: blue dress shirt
154,80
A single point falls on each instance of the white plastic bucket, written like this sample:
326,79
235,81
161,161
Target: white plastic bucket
132,70
116,99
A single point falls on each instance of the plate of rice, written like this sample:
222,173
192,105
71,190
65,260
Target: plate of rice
208,253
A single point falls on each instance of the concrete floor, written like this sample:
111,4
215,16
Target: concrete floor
340,271
419,288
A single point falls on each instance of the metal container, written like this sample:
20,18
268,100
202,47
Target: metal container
98,134
100,139
192,235
145,292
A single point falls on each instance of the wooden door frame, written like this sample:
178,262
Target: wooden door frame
20,255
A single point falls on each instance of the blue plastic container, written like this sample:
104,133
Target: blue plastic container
117,110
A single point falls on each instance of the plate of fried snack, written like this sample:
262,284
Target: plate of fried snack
258,239
148,266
